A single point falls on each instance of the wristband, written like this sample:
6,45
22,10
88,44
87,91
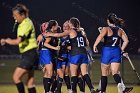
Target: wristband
123,52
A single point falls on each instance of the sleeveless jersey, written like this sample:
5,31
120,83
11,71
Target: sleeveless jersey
78,44
114,40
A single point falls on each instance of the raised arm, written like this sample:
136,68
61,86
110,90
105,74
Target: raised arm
65,33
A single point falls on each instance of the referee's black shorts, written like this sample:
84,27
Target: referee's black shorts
29,60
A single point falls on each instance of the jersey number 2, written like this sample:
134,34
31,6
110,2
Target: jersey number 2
80,41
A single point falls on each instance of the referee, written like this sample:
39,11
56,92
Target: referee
27,45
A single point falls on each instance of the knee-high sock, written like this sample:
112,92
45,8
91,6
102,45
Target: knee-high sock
32,90
81,84
117,78
103,83
74,83
20,87
47,84
88,81
59,84
67,81
54,84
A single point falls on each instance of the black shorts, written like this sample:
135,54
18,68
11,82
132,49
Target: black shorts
29,60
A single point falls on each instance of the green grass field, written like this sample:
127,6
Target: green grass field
7,67
12,89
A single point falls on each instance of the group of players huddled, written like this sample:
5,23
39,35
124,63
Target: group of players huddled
64,54
66,49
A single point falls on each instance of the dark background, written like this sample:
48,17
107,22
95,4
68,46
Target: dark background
91,13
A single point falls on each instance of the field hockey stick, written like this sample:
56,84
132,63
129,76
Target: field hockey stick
59,41
132,65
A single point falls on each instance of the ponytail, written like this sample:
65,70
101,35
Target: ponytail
115,20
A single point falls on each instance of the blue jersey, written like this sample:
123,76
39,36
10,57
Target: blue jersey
64,42
64,52
111,51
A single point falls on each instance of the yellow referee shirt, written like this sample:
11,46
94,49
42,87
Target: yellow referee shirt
26,30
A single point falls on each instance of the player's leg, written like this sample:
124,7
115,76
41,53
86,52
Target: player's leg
86,78
81,83
60,74
73,70
54,84
104,69
47,67
18,73
47,77
108,72
84,72
65,68
30,82
115,69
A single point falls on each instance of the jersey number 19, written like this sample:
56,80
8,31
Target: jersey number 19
80,41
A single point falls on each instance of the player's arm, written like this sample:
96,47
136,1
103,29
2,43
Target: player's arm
13,41
125,40
84,34
46,44
99,38
100,30
65,33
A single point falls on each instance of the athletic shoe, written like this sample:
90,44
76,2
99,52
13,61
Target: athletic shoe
69,91
98,90
93,91
128,89
120,88
82,92
73,92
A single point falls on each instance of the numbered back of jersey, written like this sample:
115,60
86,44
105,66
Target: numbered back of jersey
112,41
115,41
80,41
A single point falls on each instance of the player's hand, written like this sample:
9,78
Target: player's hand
95,49
69,47
99,29
2,42
47,34
125,54
57,48
39,38
7,39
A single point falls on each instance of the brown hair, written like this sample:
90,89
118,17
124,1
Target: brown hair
75,22
22,9
115,20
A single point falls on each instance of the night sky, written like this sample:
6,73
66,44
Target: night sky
91,13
